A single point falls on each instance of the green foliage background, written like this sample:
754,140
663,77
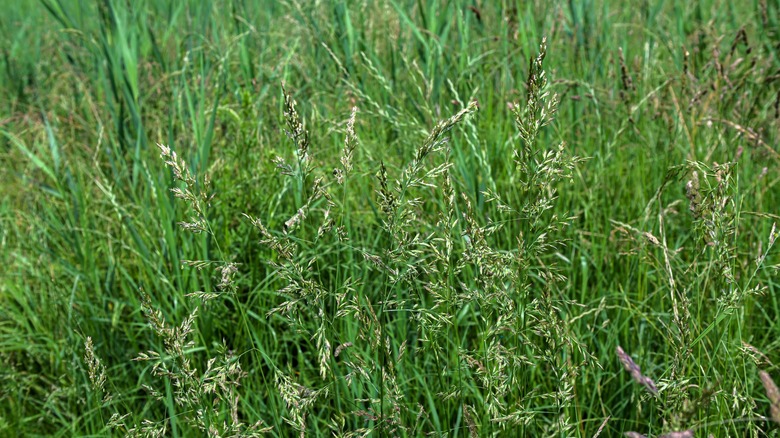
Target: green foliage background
88,223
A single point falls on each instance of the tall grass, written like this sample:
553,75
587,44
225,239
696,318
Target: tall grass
389,218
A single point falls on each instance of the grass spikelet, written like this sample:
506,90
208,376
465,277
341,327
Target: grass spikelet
350,143
296,130
95,368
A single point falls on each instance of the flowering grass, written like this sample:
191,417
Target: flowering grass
389,219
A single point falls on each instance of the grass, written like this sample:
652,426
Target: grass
389,218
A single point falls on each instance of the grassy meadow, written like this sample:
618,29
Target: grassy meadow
456,218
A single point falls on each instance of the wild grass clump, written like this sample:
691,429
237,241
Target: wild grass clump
401,219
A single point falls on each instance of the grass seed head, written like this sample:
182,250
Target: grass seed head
635,371
773,394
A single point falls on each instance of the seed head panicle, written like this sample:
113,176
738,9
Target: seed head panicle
296,130
773,394
635,371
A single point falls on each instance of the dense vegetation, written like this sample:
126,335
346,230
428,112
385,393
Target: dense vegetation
402,218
